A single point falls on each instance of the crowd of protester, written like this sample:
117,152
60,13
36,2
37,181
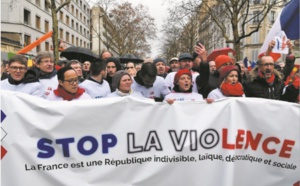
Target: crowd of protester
189,77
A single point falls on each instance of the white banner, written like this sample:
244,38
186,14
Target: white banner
125,141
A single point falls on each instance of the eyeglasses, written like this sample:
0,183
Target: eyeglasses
268,64
72,81
18,68
129,68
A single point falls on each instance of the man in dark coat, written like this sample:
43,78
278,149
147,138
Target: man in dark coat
266,82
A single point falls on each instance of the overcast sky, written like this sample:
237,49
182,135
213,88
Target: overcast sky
158,10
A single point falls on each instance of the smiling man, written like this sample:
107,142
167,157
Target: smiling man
20,79
266,82
68,88
46,71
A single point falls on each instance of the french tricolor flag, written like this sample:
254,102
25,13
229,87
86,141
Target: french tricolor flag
287,21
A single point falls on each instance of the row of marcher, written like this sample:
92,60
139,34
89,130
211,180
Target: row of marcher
188,78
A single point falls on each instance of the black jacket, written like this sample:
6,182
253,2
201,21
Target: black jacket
258,87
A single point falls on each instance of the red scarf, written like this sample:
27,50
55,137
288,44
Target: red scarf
270,80
234,90
66,95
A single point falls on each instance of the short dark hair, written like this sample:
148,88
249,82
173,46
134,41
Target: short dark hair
18,58
61,72
148,69
97,66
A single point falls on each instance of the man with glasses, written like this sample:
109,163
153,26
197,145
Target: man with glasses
20,79
46,71
68,88
267,82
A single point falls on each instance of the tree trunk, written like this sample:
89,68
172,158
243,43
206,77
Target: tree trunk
55,36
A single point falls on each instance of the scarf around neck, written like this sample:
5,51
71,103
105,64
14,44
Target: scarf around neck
232,90
122,93
270,80
66,95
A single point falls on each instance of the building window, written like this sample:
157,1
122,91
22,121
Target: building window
72,7
46,26
80,43
72,39
256,2
80,17
255,37
47,46
67,20
84,44
38,22
255,17
76,12
76,41
88,23
67,37
61,33
80,4
272,17
254,55
81,29
27,40
72,23
26,17
46,6
38,3
61,16
38,48
84,20
88,46
76,26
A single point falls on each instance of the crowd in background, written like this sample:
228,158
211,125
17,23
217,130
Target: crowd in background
187,77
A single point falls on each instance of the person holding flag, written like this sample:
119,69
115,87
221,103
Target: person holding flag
289,60
285,28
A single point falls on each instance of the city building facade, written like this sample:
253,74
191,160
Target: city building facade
24,21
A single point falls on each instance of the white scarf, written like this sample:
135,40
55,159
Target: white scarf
123,94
